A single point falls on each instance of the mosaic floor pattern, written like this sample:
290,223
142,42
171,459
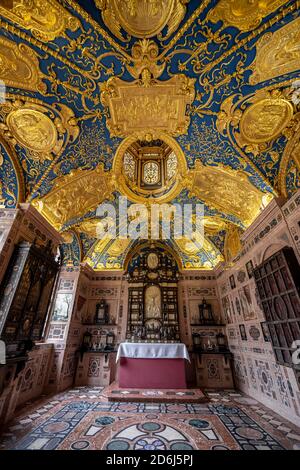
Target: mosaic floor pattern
83,419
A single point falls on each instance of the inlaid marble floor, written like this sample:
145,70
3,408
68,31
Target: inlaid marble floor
82,419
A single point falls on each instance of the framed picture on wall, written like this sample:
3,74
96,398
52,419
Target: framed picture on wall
243,332
266,332
232,281
249,267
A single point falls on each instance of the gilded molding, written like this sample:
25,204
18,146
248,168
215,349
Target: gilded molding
46,19
19,66
243,14
277,53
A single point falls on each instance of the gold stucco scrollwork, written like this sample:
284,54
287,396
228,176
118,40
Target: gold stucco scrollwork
46,19
142,18
243,14
19,66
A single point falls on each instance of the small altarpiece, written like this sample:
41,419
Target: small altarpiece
153,304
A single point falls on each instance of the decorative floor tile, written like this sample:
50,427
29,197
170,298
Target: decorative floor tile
80,421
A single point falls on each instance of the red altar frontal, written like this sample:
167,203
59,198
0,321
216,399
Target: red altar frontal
152,365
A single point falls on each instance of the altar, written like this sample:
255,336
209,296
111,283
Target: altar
152,365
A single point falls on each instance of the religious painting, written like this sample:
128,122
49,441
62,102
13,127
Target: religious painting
243,332
62,307
249,267
232,282
266,332
153,302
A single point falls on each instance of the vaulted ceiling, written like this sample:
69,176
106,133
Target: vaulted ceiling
215,80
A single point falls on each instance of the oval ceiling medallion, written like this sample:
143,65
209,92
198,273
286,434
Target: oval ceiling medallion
143,18
32,129
265,120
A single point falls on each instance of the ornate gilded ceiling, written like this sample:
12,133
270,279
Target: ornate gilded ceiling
212,79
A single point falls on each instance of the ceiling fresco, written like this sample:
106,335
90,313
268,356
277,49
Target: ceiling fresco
214,80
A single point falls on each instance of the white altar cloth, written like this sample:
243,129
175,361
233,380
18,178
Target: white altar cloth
153,350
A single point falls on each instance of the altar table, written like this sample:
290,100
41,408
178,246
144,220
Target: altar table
152,365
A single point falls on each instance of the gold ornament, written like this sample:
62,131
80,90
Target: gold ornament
265,119
232,244
46,19
158,107
277,53
118,247
19,66
243,14
226,190
75,194
131,190
32,129
144,56
44,131
142,18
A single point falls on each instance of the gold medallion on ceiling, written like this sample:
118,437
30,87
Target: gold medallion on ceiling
256,120
32,129
46,19
19,66
142,18
243,14
158,107
277,53
265,120
42,130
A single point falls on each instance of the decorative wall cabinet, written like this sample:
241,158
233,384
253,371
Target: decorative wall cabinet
25,297
278,283
152,301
